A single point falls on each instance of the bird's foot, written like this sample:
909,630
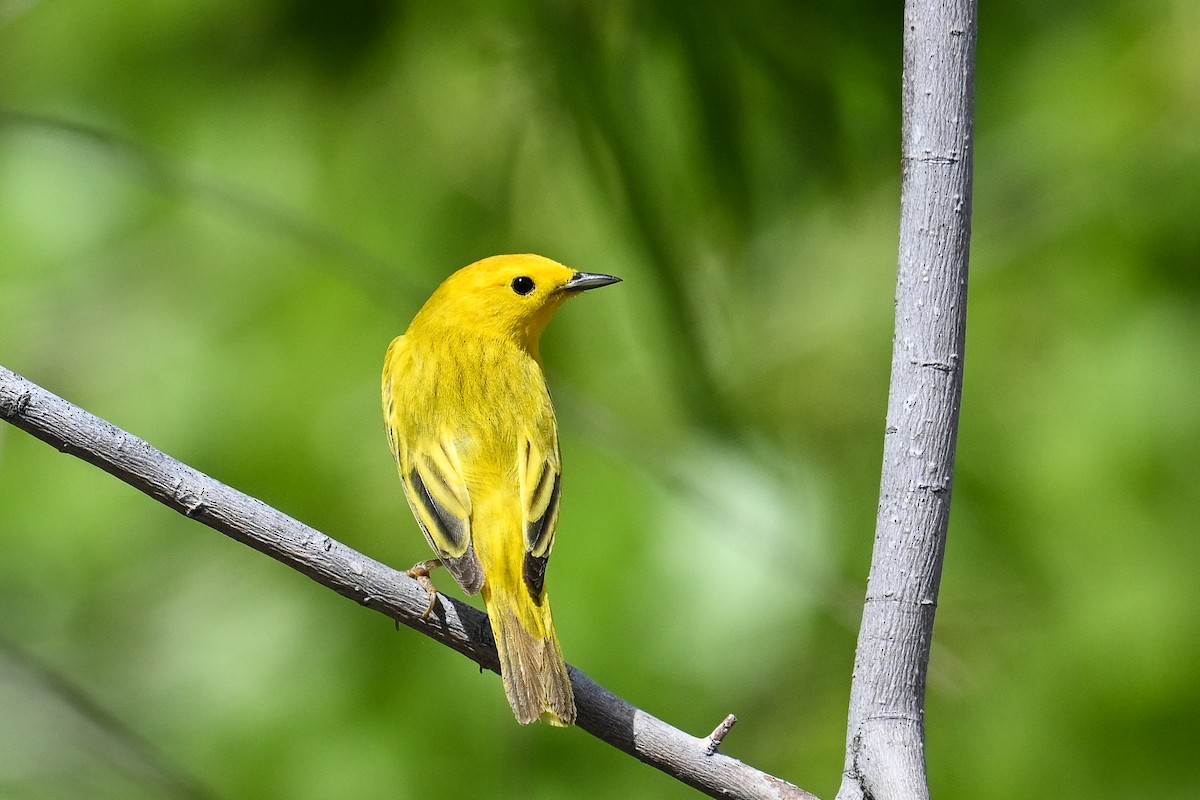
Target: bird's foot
420,572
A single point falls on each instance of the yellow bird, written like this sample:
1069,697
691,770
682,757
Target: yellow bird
471,426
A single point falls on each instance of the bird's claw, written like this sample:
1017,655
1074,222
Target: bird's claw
420,572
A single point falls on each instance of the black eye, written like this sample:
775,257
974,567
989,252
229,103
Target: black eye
522,284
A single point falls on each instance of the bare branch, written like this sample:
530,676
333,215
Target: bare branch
885,738
365,581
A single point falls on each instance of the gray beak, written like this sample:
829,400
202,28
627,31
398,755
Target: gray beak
581,281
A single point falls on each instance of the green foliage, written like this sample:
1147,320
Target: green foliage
214,216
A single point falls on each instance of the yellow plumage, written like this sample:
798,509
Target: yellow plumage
471,426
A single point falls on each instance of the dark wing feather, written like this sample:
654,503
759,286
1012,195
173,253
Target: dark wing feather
541,485
437,493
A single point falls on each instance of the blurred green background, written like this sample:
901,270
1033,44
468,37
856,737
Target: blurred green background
215,215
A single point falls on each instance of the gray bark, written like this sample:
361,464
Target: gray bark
692,760
885,737
885,757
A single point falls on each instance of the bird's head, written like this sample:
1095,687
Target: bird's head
510,297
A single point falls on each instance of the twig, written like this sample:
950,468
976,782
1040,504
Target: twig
885,738
366,581
718,735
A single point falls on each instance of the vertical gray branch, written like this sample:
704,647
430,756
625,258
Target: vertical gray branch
885,739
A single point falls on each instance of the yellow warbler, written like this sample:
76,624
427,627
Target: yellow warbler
470,423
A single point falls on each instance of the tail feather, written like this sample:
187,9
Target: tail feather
531,665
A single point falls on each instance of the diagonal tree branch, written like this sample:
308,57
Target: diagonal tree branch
367,582
885,738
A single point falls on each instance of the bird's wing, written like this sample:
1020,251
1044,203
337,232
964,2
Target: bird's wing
541,483
433,480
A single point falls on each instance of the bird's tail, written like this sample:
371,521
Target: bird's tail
531,662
